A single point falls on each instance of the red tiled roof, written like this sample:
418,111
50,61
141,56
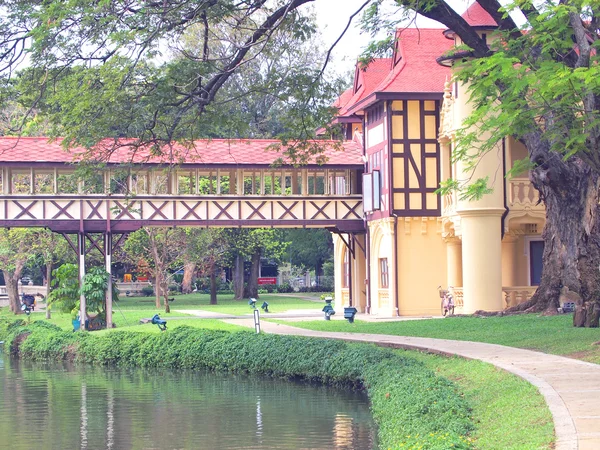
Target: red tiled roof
214,151
476,16
365,81
344,98
417,70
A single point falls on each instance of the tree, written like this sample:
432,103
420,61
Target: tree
253,244
539,83
309,247
65,289
15,251
94,286
159,248
99,70
51,248
209,249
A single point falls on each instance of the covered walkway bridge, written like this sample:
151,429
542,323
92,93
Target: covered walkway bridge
214,183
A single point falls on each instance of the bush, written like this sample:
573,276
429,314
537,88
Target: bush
174,288
412,406
285,288
314,289
270,288
147,291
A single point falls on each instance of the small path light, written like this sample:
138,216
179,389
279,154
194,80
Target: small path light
349,313
265,307
328,309
252,303
257,321
162,323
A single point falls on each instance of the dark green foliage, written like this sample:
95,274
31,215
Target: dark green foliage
147,291
411,405
284,288
65,289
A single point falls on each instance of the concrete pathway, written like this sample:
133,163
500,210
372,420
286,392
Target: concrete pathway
571,387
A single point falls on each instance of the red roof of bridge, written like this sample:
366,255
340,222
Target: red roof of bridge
204,152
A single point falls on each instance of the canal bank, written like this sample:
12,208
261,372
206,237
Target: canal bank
410,404
570,387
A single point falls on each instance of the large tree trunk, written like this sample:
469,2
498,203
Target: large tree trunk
189,270
12,288
157,288
49,266
252,289
238,277
165,290
571,237
213,285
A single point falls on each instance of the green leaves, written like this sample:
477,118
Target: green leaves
409,402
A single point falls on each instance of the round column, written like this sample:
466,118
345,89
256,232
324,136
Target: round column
482,259
454,261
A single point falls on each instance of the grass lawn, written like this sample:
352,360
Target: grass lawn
509,413
128,311
549,334
225,303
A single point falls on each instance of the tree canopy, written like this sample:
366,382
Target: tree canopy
163,71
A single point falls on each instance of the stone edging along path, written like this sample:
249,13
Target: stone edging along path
570,387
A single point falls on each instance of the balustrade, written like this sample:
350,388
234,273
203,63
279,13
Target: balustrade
515,295
523,195
457,295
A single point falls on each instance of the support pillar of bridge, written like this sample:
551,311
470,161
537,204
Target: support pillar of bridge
108,261
81,262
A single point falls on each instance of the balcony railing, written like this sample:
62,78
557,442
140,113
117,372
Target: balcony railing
522,195
513,295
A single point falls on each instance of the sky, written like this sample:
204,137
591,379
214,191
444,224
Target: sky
332,17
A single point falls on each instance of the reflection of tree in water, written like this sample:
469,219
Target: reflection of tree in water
137,408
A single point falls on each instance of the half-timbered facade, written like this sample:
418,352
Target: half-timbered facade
487,251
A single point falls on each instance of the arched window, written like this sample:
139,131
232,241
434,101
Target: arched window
346,272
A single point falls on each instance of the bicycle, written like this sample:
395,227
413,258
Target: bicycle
447,305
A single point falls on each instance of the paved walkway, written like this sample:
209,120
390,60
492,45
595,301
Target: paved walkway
571,387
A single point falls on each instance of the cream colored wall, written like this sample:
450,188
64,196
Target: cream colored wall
382,238
422,266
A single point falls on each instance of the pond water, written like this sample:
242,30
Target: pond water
59,406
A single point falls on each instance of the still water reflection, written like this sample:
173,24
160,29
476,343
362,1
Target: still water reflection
52,406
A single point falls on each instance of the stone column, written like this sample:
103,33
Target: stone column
454,261
359,274
509,266
480,218
482,260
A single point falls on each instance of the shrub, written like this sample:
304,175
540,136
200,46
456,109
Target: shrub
174,288
147,291
412,406
285,288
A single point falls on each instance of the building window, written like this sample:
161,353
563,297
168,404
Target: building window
384,278
346,273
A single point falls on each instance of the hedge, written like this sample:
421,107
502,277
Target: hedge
412,407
